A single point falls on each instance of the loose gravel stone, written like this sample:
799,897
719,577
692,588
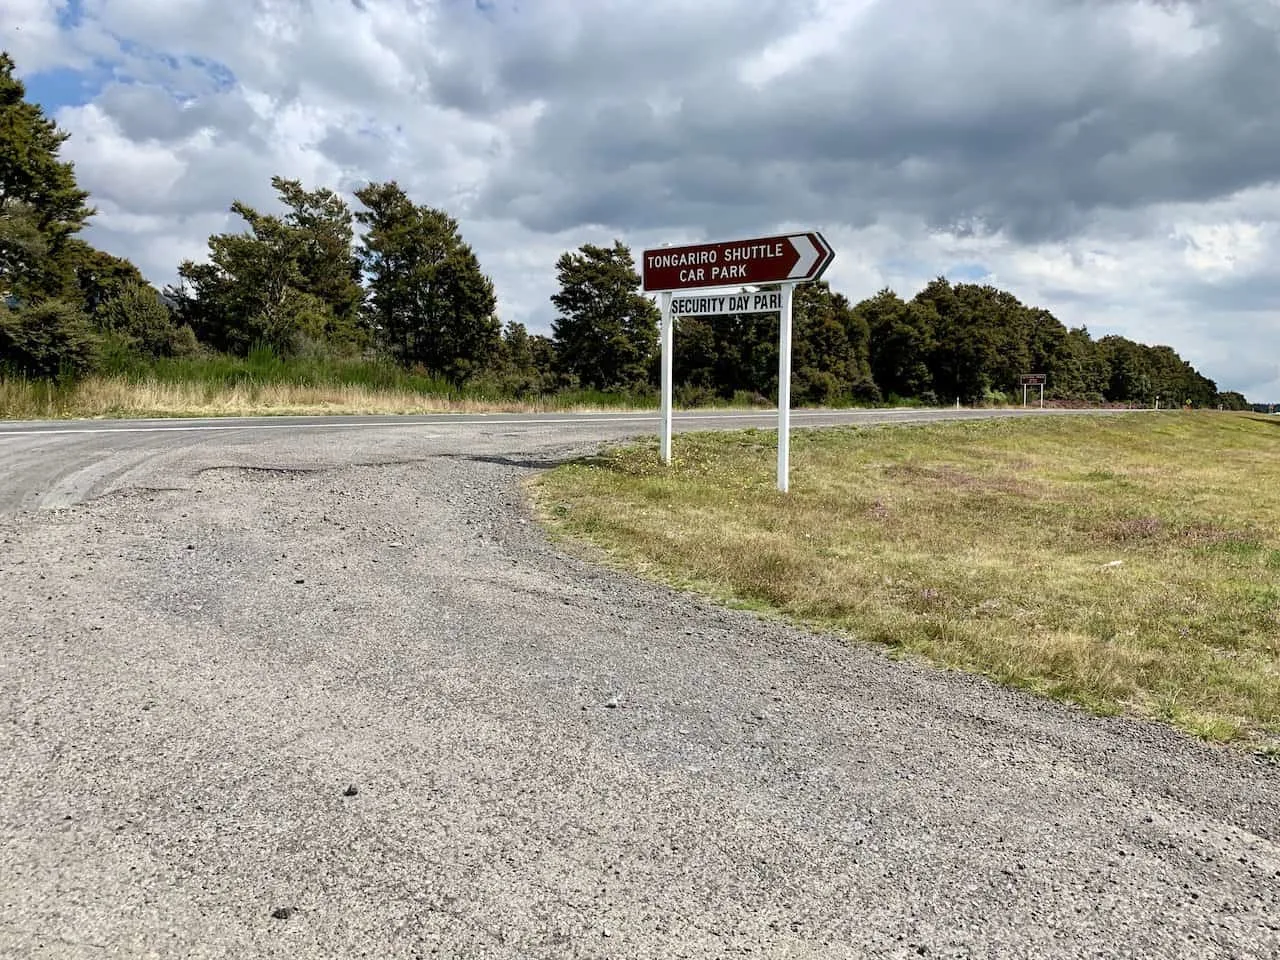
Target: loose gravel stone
886,807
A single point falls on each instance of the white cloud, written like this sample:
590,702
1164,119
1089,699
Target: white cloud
1115,160
33,37
128,173
823,33
1215,250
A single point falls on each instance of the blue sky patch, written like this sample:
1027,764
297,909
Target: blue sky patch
70,14
61,87
967,272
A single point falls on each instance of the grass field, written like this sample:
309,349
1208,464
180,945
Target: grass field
1126,563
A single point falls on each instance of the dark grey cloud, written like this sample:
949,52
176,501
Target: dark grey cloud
1027,118
360,148
575,52
1256,293
149,112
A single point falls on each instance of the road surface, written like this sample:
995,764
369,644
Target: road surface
60,462
304,689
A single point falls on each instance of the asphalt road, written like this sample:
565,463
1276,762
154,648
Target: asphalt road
211,631
56,463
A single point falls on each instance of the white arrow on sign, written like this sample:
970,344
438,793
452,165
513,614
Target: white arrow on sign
809,255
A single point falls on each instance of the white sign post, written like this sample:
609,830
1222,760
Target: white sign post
784,389
768,302
783,260
1032,380
668,338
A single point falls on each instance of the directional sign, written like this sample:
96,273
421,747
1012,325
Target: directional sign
1031,379
766,301
792,258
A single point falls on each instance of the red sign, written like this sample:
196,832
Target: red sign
1032,379
795,258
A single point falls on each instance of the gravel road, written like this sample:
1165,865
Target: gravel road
341,677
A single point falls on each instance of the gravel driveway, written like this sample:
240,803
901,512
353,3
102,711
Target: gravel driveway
370,698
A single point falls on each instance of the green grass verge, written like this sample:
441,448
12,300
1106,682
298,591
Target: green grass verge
1127,563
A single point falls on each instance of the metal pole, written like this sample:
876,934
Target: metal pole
784,390
1024,394
668,322
1042,396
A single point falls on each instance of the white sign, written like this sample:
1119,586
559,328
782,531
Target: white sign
765,302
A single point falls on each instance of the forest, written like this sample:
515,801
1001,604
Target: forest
381,279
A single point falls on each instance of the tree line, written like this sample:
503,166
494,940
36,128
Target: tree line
408,289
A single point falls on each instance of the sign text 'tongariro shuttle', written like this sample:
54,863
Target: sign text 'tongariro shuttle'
791,258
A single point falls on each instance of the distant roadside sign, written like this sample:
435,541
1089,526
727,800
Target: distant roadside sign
790,258
1032,380
767,301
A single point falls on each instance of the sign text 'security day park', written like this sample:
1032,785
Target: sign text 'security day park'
765,301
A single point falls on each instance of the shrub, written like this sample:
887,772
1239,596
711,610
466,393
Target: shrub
47,340
144,324
748,398
691,395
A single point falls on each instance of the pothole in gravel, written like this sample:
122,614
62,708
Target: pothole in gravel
262,471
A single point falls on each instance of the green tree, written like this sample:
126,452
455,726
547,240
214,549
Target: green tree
700,355
900,337
249,292
41,207
1079,369
43,329
429,302
523,364
726,355
960,360
24,251
606,330
99,277
830,349
1130,377
328,268
285,280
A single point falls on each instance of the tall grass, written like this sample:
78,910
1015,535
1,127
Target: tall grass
265,383
263,366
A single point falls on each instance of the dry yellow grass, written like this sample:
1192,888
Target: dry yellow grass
118,397
1125,563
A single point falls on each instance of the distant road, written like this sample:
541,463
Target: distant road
54,463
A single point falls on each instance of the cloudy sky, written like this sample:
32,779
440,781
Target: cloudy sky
1116,161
